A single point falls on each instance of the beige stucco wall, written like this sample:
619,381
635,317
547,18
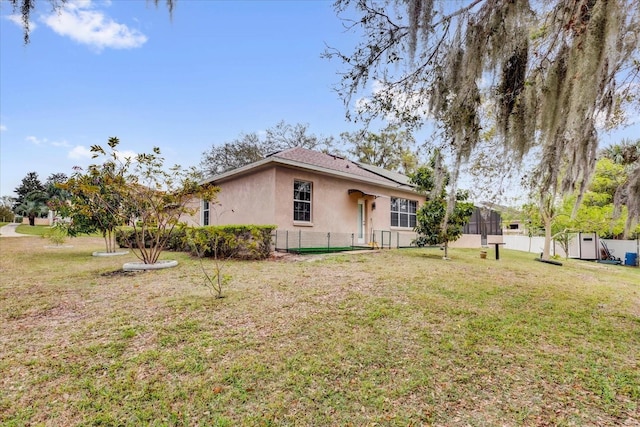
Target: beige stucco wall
249,200
467,241
38,221
474,241
266,197
192,220
333,209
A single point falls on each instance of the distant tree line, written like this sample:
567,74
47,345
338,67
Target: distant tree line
34,197
391,148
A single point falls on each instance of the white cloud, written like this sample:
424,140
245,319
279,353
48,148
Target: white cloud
45,141
79,21
17,19
3,128
127,154
62,143
79,152
35,140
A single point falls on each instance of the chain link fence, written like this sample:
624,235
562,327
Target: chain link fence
393,239
300,241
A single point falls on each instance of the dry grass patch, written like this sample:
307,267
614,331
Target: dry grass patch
379,338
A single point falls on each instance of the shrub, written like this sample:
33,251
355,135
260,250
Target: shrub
124,188
57,234
126,238
6,214
231,241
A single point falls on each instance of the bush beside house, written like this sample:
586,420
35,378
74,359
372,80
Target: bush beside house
232,241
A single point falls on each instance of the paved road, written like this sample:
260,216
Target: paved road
9,230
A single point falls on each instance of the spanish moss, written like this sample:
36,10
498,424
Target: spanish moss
544,75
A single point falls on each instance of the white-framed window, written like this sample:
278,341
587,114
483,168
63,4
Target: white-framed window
403,212
302,201
206,212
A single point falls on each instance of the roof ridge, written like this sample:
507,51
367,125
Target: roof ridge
275,153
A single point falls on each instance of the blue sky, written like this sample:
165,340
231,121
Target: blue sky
215,70
124,68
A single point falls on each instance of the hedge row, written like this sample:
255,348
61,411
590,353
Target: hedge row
223,241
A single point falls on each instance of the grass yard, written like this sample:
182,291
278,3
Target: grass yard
396,337
32,230
43,230
325,249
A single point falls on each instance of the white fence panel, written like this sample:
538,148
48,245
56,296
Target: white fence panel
618,248
530,244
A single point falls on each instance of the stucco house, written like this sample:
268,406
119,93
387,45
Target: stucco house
301,189
313,195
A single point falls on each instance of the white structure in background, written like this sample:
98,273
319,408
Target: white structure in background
586,246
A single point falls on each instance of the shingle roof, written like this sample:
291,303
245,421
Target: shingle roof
327,161
322,162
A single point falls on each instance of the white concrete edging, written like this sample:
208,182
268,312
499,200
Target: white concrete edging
141,266
109,253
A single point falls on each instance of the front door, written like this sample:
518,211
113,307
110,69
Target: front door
361,226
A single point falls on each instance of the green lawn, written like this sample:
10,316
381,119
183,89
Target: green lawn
35,230
394,337
42,230
325,249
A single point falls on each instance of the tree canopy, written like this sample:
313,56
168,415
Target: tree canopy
543,73
32,206
144,192
436,222
29,184
251,147
6,214
392,148
626,153
95,202
56,194
596,212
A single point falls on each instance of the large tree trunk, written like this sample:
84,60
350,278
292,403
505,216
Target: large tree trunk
32,220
